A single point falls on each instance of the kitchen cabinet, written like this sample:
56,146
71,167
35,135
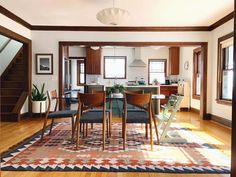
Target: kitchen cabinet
167,90
93,61
173,60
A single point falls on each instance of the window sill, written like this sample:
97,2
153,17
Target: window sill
197,97
224,102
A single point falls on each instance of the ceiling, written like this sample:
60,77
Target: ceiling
142,12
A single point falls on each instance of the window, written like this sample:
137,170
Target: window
225,69
80,72
114,67
156,70
197,73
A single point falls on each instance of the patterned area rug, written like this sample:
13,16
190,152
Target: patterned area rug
56,153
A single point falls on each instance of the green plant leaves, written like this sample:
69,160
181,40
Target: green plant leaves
37,95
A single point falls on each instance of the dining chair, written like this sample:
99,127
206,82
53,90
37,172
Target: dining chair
108,111
52,97
143,101
86,114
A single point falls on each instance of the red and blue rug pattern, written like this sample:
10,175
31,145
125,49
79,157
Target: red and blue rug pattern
57,153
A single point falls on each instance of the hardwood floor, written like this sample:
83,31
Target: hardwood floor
12,133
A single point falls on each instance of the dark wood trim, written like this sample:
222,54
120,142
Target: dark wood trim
203,71
14,17
222,21
123,57
36,66
149,60
195,110
195,71
219,71
140,44
132,44
11,34
61,79
77,58
5,45
233,132
121,28
221,120
19,104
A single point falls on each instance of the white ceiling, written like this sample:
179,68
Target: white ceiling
142,12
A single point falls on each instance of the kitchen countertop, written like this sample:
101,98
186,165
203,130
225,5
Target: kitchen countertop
172,85
142,86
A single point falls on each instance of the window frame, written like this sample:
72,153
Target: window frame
114,57
79,62
156,60
196,70
220,69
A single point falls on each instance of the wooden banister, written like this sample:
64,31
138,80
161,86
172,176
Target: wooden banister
19,104
5,45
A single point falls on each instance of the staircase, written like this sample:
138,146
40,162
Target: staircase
12,86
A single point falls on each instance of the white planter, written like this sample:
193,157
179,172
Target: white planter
36,106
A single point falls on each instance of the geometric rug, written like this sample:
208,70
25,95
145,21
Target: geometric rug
57,153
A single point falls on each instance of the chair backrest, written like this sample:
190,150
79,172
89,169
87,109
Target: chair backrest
139,100
172,105
135,91
91,100
52,96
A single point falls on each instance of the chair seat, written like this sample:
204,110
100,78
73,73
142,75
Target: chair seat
92,117
62,114
137,116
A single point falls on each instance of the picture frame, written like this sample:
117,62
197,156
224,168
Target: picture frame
44,63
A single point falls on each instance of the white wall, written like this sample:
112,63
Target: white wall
218,109
186,54
8,53
14,26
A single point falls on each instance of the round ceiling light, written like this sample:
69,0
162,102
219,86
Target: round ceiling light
113,16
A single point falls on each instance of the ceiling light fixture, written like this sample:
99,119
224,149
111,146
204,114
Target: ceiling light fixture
113,16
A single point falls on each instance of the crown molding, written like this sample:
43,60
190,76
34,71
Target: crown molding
19,20
14,17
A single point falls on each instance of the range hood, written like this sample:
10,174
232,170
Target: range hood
137,62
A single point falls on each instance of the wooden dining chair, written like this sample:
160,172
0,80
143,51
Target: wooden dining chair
143,101
52,97
108,111
85,113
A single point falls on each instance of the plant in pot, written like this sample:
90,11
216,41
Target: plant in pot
117,89
38,99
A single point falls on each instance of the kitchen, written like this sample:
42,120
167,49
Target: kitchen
159,69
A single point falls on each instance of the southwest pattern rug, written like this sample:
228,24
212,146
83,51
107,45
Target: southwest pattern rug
57,153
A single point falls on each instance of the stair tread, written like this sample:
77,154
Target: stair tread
6,113
8,104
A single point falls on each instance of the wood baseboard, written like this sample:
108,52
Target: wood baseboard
221,120
195,110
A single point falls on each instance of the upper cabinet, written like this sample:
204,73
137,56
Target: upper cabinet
173,60
93,61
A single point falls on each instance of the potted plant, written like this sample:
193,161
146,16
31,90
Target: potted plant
38,99
117,89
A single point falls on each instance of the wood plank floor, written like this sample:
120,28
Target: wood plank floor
12,133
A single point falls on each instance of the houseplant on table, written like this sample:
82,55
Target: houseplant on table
116,89
38,99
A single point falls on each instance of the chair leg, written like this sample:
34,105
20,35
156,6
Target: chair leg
124,135
91,125
77,134
72,128
107,127
110,124
146,130
103,134
44,127
80,127
86,128
51,126
156,130
151,140
83,130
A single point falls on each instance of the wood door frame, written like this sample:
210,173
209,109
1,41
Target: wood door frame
27,53
233,134
204,46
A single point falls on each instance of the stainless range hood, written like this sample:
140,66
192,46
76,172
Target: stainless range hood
137,62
